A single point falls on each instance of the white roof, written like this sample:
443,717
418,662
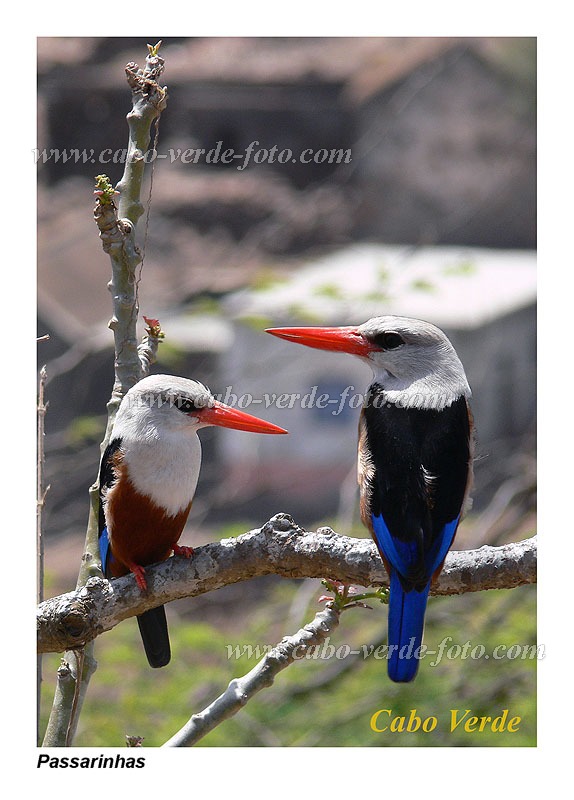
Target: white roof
458,287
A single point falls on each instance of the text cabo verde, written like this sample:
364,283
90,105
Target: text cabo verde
384,720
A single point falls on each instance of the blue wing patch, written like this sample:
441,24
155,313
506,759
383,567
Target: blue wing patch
104,546
440,548
403,554
400,554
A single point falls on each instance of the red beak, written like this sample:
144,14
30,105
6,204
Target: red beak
226,417
343,340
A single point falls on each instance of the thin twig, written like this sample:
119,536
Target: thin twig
40,490
241,690
41,493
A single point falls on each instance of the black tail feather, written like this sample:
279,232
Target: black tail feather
155,636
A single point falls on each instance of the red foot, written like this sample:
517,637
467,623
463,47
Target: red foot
186,552
139,573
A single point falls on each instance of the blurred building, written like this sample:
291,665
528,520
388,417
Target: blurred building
442,136
485,300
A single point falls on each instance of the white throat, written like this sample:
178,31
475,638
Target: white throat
164,464
433,391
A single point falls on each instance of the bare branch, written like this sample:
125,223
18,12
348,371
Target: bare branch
279,547
117,233
241,690
149,100
68,696
41,493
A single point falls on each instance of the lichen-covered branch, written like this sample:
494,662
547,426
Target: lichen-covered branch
241,690
280,547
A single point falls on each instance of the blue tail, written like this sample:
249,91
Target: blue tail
406,623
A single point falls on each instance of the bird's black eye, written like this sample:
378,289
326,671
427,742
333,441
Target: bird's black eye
388,340
185,405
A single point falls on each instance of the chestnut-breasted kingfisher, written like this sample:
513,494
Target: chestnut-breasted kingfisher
414,461
148,476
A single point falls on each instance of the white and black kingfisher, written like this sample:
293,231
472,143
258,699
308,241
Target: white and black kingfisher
148,476
415,459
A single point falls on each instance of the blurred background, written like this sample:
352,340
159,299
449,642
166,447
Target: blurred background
418,198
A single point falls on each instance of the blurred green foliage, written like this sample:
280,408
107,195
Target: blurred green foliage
422,285
460,268
255,321
314,702
266,278
173,355
330,290
85,429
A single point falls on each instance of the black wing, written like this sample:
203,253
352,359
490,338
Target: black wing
421,461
